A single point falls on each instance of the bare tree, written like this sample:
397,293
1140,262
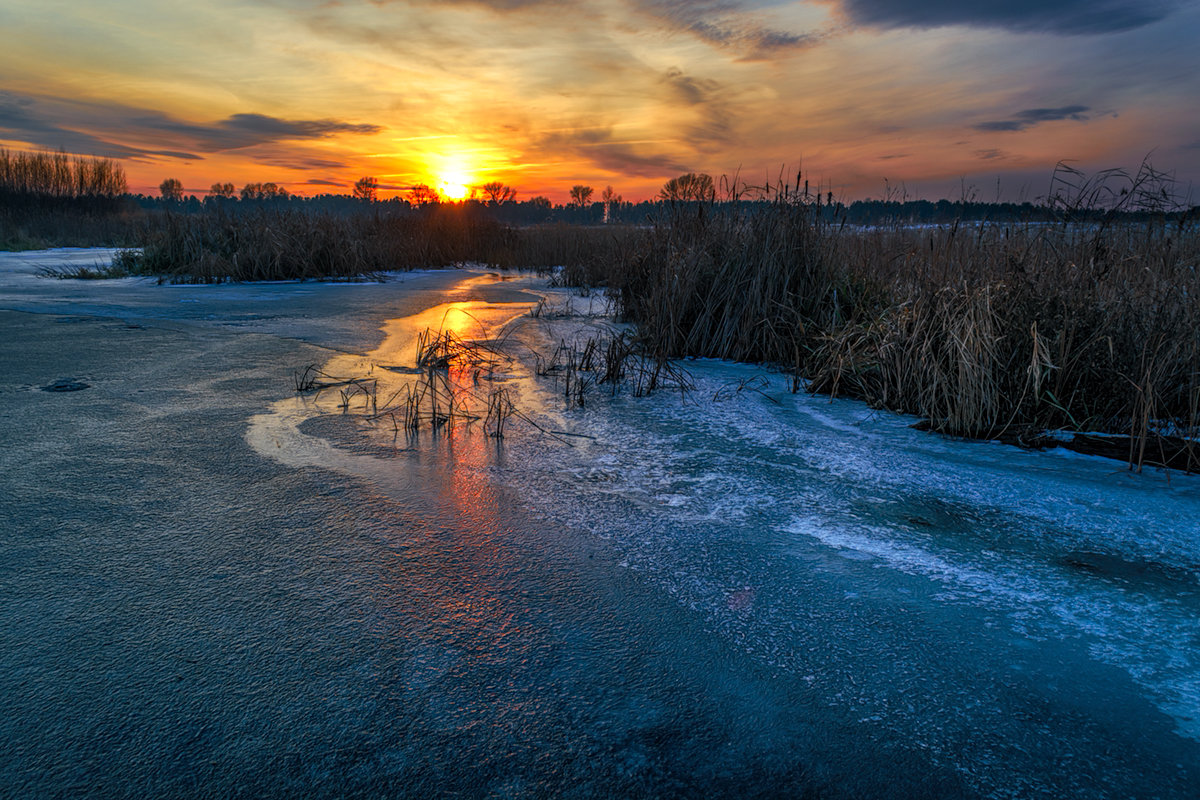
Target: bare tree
366,188
222,190
498,194
264,191
691,187
171,189
423,194
610,199
580,194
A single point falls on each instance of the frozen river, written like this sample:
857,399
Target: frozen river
213,586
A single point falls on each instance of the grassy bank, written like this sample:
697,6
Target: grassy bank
987,331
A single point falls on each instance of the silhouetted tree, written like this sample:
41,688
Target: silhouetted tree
366,188
610,198
691,187
171,189
60,175
580,194
498,194
423,194
222,190
264,191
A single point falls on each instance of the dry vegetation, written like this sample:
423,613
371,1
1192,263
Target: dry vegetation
992,331
288,244
54,199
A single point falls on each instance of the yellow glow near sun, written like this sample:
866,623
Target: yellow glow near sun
453,187
454,177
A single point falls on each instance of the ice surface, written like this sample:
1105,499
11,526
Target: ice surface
885,601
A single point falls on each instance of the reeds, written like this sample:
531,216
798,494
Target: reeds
615,360
294,244
986,330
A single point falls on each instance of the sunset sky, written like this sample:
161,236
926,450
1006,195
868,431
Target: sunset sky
930,95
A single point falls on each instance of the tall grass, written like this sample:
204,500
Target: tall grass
984,330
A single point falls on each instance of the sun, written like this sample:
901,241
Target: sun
454,184
452,189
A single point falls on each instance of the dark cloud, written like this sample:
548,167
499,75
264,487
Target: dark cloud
247,130
710,120
991,154
598,146
298,163
176,155
20,119
891,156
1034,116
725,24
1053,16
323,182
117,131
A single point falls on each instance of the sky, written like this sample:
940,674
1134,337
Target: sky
868,98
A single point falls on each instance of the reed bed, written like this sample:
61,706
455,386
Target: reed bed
985,330
268,244
292,244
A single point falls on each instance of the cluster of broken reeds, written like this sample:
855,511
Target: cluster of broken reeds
614,360
986,330
451,385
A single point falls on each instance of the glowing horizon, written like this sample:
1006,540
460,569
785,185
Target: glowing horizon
860,94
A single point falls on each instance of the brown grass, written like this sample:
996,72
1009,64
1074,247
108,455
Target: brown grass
986,330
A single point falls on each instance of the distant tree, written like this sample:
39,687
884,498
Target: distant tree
222,190
498,194
580,194
366,188
692,187
171,189
542,202
423,194
610,199
264,191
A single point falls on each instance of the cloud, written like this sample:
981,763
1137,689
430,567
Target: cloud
246,130
990,154
323,182
727,25
597,145
176,155
115,130
1051,16
1035,116
20,119
712,123
296,161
